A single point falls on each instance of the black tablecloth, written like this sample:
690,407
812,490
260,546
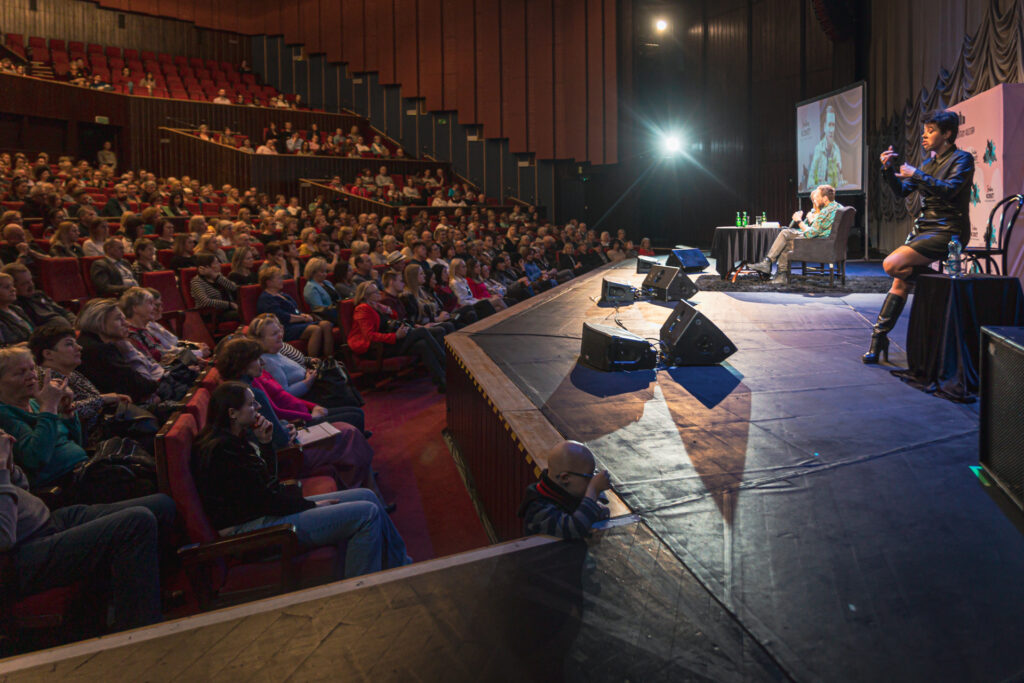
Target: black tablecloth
944,334
731,245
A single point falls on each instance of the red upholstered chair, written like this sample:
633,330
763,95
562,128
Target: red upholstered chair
210,380
197,401
112,51
373,361
57,44
218,566
47,611
84,264
247,297
166,283
94,48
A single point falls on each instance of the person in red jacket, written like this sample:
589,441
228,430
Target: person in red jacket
372,321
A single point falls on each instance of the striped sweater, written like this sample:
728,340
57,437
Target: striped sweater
549,509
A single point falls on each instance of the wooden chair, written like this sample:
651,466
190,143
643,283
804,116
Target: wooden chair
829,252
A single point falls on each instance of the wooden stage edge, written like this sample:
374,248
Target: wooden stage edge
529,433
141,635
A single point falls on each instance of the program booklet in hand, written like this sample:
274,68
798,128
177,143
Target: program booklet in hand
316,433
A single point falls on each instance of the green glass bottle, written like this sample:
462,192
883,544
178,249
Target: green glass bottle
738,223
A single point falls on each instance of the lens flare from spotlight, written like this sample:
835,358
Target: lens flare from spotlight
672,145
660,25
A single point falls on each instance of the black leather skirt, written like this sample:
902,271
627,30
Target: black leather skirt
934,242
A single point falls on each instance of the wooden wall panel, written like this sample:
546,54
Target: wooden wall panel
406,51
449,43
488,68
330,16
540,102
570,80
430,51
595,80
385,45
611,86
513,74
352,46
464,57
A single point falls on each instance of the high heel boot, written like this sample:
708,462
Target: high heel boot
887,317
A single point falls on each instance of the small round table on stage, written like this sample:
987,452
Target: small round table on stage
732,246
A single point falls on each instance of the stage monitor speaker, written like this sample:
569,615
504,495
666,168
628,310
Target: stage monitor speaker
666,283
1001,424
617,293
687,259
645,263
613,348
691,339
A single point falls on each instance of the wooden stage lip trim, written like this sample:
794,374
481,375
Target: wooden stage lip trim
477,384
140,635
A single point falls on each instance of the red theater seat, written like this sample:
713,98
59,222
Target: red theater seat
213,564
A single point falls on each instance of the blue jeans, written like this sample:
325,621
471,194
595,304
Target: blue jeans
113,548
357,526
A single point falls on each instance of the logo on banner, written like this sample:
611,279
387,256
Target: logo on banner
975,195
990,153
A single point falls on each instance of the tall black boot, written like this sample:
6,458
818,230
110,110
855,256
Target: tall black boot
887,317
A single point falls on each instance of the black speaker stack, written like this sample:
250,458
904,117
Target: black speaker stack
1001,423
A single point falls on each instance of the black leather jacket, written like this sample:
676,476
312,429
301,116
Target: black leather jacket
945,184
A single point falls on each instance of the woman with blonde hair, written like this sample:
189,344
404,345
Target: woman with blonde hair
64,242
319,293
208,244
243,264
420,304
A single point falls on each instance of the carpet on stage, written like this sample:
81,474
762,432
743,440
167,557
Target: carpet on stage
831,508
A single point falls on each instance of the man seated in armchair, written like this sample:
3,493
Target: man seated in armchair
817,224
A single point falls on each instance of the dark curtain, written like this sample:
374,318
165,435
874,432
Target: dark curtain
914,37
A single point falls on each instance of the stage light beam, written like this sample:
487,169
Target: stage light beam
660,25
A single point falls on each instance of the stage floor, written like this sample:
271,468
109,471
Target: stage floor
831,508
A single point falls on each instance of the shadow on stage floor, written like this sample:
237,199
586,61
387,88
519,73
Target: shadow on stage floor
831,508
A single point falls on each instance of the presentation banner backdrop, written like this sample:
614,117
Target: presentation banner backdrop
992,129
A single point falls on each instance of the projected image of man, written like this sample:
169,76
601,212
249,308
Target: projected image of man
826,163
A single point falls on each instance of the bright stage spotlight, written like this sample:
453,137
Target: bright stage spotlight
660,25
671,144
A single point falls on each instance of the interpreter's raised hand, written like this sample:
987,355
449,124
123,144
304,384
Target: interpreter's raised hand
887,157
51,393
906,172
263,430
600,482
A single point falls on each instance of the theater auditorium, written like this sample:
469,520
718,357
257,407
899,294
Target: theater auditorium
512,340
